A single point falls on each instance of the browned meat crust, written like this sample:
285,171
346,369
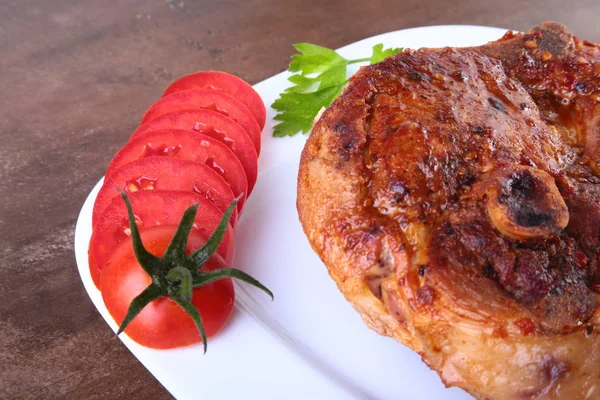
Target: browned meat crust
454,196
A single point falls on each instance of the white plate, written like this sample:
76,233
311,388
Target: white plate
309,342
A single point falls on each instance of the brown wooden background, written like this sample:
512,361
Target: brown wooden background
75,78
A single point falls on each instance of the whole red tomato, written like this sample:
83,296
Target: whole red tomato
162,324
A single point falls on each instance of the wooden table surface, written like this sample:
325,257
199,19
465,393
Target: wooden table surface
75,78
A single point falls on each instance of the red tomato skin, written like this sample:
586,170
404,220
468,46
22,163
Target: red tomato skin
210,100
94,270
167,174
212,124
185,145
162,324
226,83
152,208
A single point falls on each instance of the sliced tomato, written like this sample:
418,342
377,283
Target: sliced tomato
209,100
152,208
226,83
186,145
165,173
215,125
162,324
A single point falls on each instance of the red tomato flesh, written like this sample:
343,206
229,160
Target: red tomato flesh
215,125
226,83
152,208
207,99
165,173
162,324
185,145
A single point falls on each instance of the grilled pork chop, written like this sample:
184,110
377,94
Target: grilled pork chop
454,196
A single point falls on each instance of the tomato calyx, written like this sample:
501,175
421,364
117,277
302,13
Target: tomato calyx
176,274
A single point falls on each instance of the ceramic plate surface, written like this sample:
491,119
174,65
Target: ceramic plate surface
309,342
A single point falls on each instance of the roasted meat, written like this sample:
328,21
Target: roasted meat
454,196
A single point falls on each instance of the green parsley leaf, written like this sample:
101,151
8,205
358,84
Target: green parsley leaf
297,110
304,84
314,58
379,54
320,75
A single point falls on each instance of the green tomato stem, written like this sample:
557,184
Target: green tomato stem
182,276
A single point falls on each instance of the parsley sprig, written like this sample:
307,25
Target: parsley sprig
320,75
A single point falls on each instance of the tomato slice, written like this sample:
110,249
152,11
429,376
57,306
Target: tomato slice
165,173
185,145
209,100
226,83
152,208
162,324
215,125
